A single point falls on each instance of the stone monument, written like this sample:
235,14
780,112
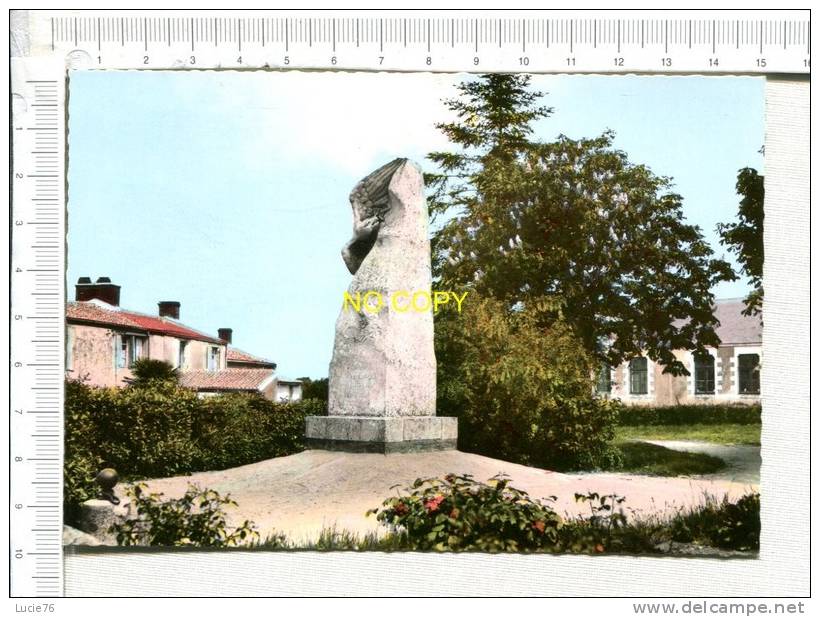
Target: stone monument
382,386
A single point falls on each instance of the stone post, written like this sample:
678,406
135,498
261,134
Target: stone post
97,516
382,386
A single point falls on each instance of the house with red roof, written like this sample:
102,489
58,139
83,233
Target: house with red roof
103,340
728,373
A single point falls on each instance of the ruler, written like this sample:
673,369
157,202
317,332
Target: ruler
48,46
37,332
752,42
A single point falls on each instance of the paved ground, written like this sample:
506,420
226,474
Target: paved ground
302,493
742,462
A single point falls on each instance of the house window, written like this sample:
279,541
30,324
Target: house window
130,348
604,383
213,363
181,357
638,376
748,373
704,374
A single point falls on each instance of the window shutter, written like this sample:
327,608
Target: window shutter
119,354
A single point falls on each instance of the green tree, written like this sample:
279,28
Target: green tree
314,388
569,221
522,391
745,237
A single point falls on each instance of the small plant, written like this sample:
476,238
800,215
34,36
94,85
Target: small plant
603,519
195,519
458,513
607,529
724,524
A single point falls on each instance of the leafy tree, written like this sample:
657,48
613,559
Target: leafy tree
522,391
147,370
570,221
314,388
745,237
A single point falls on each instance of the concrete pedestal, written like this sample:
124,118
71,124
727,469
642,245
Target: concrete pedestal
381,434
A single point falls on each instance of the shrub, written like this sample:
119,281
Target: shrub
160,429
81,463
237,429
458,513
146,431
522,392
197,519
640,415
79,472
728,525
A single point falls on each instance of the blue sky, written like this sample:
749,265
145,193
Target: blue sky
227,191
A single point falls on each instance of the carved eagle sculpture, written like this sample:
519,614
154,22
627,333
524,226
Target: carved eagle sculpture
370,200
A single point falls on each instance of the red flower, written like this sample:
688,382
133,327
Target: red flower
539,525
599,548
432,504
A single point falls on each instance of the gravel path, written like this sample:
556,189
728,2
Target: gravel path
742,461
302,493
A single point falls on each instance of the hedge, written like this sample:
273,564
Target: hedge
161,429
640,415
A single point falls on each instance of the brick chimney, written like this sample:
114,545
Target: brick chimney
225,334
169,308
103,290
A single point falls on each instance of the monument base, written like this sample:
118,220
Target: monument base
381,434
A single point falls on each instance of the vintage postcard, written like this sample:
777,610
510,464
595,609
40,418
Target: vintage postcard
375,313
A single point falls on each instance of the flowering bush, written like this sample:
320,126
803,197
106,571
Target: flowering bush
458,513
196,519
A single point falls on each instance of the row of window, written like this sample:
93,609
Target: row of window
131,348
748,375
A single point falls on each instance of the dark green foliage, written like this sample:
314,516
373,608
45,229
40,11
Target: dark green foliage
195,519
734,526
237,429
314,388
146,431
160,429
81,461
79,472
745,237
147,370
522,391
639,415
650,459
572,222
457,513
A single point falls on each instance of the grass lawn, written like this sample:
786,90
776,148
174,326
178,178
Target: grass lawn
648,459
713,433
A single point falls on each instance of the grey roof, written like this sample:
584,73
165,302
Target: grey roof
736,328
